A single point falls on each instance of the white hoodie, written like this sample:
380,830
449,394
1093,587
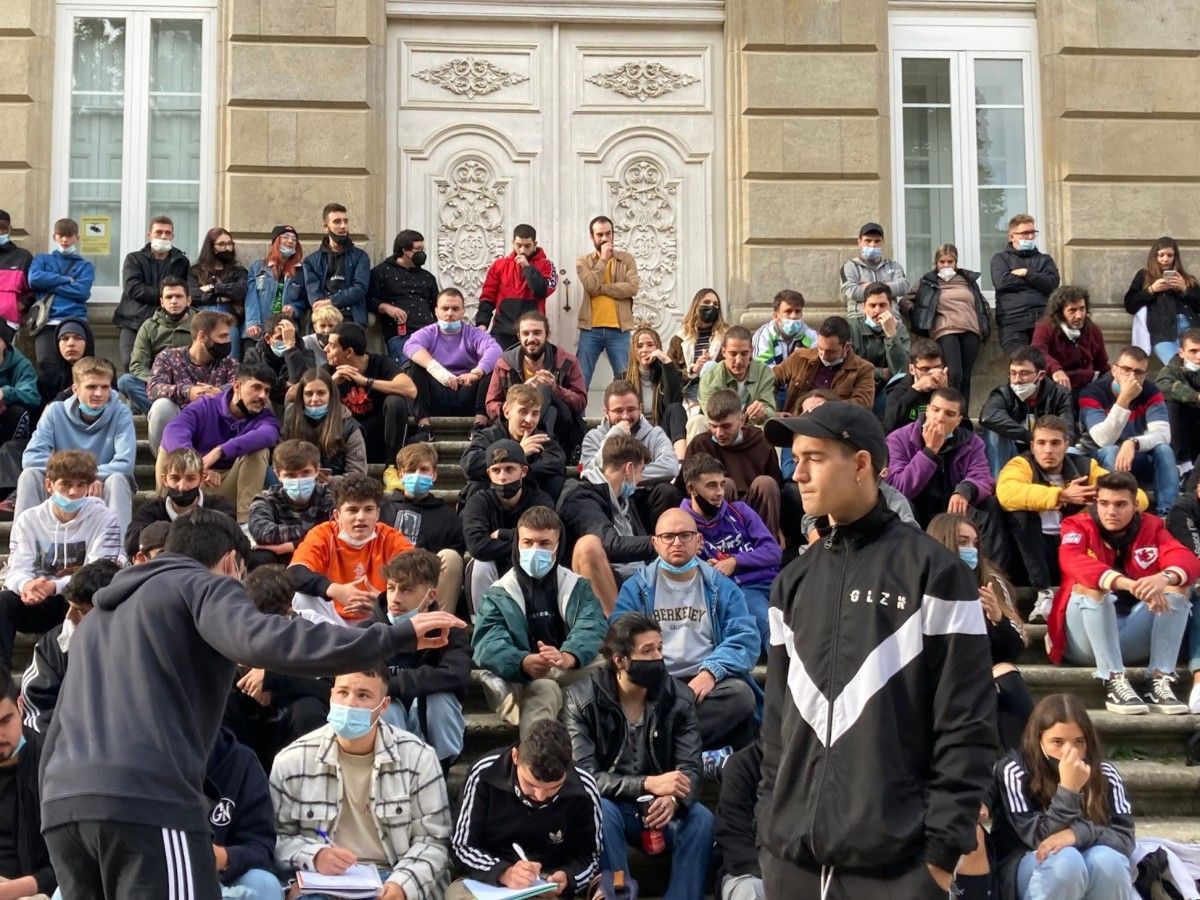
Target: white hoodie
43,546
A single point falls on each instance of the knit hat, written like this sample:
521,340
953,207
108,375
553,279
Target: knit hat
282,229
71,326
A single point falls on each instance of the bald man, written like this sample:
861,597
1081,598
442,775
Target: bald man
710,641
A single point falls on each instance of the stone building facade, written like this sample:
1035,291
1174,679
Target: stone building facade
739,144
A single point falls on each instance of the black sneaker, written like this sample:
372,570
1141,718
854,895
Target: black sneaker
1161,696
1121,698
422,434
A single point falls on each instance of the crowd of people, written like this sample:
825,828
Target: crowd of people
286,694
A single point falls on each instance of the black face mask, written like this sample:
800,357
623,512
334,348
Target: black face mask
184,498
709,314
243,409
1053,764
419,258
708,510
507,491
177,317
322,339
648,673
220,351
226,256
340,239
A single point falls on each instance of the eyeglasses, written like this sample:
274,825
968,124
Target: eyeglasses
1026,234
224,245
670,537
1126,370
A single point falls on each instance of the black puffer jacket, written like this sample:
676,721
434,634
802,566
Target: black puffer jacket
880,722
599,728
925,304
1020,302
141,276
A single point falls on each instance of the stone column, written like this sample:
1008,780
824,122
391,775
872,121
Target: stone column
808,95
303,119
1121,134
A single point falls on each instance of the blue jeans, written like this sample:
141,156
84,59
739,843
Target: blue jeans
135,390
1156,466
613,341
1098,873
689,838
444,716
395,347
255,884
1194,634
758,597
1097,636
999,450
235,333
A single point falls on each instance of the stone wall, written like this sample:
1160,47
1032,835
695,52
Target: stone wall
302,106
809,122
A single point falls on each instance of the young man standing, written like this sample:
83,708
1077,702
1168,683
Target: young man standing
126,818
539,626
873,586
66,275
515,284
15,261
1023,278
871,266
339,273
93,420
529,812
142,277
168,326
402,292
609,278
180,375
233,431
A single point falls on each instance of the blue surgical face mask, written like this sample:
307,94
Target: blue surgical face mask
873,325
316,412
397,618
287,252
90,410
417,484
969,555
627,489
536,561
692,563
872,254
20,746
450,327
4,239
1026,244
791,327
350,722
278,348
66,504
72,250
299,488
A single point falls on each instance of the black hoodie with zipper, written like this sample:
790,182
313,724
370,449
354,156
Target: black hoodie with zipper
150,674
880,722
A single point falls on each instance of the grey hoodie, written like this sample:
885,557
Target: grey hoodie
150,672
663,463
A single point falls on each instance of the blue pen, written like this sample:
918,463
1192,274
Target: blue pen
324,835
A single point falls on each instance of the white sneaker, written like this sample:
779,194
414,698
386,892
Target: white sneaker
1194,699
1042,605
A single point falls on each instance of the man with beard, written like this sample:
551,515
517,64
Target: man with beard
338,273
233,431
515,284
610,282
550,369
402,292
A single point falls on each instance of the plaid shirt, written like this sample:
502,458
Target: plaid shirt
174,374
408,797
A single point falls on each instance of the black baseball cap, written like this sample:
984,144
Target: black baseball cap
505,450
871,228
154,536
836,420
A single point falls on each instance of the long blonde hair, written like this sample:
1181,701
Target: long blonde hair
943,528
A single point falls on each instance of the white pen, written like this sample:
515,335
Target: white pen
521,853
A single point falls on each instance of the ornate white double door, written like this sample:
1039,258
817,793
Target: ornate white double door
551,124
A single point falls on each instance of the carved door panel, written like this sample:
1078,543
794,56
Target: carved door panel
497,125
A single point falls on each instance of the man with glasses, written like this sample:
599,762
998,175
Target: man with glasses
908,396
710,641
1127,429
1011,409
1023,278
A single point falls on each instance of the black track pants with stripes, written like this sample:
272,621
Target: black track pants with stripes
120,861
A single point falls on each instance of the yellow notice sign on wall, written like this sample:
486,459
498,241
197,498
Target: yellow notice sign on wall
95,235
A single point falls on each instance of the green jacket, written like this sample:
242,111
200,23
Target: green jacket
880,351
760,385
1177,383
157,334
501,638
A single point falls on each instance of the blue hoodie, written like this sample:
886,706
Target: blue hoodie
110,438
738,531
68,277
735,636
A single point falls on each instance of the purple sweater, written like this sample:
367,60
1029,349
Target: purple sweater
910,467
738,531
208,423
460,353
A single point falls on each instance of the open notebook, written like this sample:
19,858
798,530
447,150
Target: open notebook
361,882
483,891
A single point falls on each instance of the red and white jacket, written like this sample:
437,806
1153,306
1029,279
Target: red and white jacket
1085,559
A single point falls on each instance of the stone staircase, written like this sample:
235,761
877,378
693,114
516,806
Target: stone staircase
1148,750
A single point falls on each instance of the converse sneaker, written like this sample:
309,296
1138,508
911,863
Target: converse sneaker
1121,698
1161,696
1041,606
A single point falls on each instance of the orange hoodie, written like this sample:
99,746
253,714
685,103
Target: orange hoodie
324,553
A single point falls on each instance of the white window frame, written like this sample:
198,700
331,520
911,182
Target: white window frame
962,39
134,168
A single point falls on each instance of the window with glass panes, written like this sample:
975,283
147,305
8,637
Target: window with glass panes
133,133
965,141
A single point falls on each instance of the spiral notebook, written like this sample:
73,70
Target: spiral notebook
361,882
481,891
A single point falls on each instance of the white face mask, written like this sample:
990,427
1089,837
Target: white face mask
1191,366
1071,333
1024,391
356,544
160,245
946,274
64,636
